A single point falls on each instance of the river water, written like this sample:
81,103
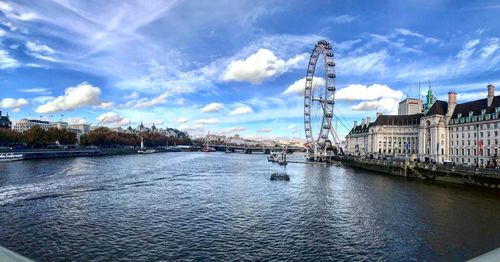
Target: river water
216,206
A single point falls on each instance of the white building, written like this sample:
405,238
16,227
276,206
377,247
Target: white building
410,106
24,124
445,131
474,130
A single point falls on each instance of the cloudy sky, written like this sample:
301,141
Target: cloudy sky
235,66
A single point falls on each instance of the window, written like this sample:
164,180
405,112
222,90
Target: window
483,111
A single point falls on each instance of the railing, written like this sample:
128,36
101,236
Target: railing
10,256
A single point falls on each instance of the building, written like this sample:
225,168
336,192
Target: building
410,106
60,125
25,124
474,131
466,133
388,135
5,123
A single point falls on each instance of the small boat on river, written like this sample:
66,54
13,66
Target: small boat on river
5,157
279,176
146,151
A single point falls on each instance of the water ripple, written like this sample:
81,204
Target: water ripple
212,207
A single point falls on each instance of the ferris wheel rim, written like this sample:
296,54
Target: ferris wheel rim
324,48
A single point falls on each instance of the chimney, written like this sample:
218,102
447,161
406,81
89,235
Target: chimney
491,94
355,123
363,122
379,114
368,120
452,98
452,102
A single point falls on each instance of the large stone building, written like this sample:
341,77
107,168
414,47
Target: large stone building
410,106
5,123
466,133
24,124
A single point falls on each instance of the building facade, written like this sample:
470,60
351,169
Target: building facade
466,133
474,131
410,106
5,123
25,124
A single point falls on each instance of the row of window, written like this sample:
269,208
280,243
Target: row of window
486,142
473,127
474,152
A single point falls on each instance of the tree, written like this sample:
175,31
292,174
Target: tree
36,137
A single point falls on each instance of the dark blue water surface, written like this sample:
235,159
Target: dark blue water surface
216,206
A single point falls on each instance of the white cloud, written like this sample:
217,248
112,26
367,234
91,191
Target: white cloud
40,51
145,102
385,105
362,64
13,103
363,92
42,99
289,127
298,86
75,120
181,120
463,97
14,14
342,19
407,32
467,51
113,119
106,105
212,107
39,48
206,121
241,110
44,91
133,95
260,66
265,130
6,61
74,97
492,46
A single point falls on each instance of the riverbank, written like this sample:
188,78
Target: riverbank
469,176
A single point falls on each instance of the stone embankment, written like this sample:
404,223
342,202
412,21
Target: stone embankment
480,177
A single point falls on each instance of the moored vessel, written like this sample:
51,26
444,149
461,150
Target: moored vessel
4,157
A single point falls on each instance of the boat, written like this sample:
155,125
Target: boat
4,157
208,149
146,151
282,161
279,176
143,150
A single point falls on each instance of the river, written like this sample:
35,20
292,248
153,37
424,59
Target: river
216,206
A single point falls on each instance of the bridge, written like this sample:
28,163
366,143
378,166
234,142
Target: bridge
261,149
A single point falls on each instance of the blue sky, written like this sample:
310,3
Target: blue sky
236,66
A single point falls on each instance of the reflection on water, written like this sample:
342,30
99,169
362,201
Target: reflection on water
199,206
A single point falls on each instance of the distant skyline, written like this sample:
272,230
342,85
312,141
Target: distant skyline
236,66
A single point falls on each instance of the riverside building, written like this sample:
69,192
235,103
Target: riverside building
466,133
25,124
5,123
